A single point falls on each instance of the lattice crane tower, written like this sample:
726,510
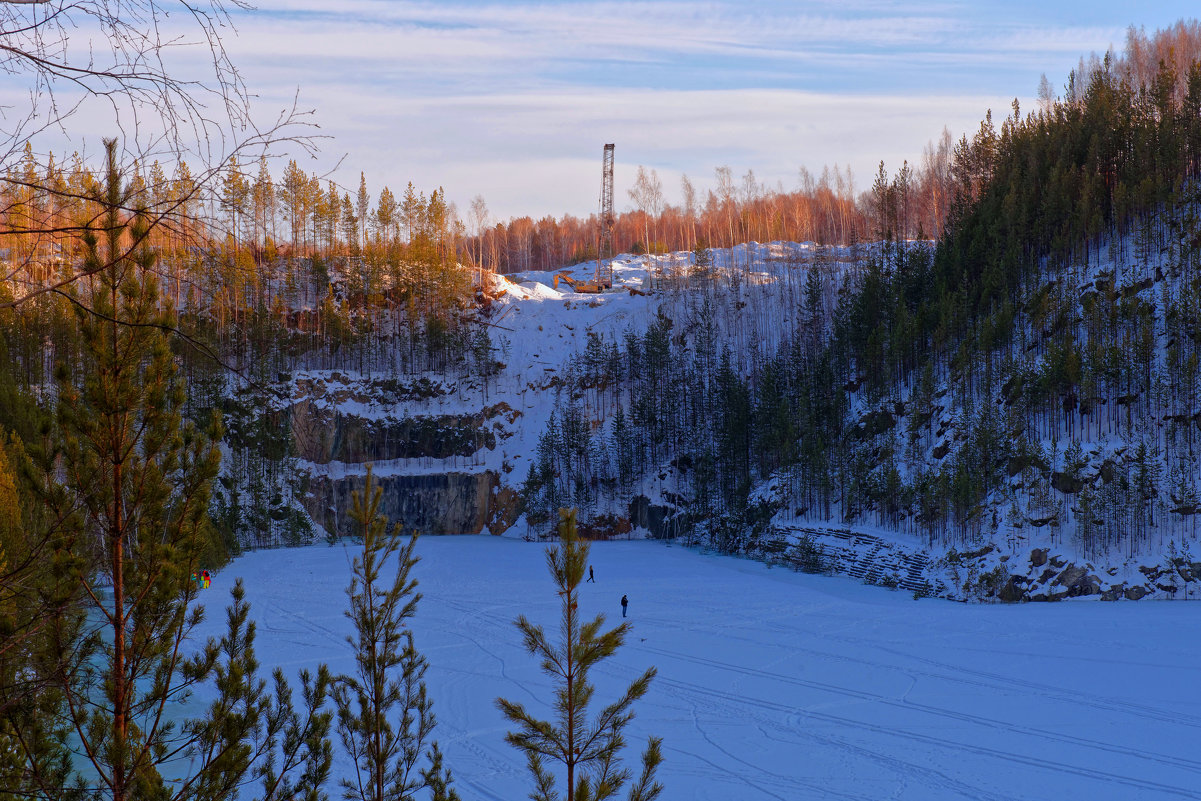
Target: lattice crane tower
604,248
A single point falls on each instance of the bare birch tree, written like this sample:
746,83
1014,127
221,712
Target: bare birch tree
126,67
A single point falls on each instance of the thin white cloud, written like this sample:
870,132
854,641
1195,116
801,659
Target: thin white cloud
535,154
512,100
626,31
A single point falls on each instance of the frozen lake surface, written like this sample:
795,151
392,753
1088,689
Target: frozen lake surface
777,685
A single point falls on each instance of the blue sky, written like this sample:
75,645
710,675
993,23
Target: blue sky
514,100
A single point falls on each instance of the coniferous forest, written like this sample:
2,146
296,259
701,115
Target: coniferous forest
1032,368
997,344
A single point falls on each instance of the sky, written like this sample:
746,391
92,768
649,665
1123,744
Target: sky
514,101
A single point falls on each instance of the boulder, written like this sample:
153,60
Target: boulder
1131,290
1020,462
1072,574
1076,582
976,554
875,423
1012,590
1038,557
1134,593
1066,484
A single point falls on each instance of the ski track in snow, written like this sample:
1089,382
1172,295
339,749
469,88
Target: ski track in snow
711,696
766,676
776,685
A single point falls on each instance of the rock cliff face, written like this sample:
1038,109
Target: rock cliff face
343,422
661,521
1052,578
322,436
444,503
1046,576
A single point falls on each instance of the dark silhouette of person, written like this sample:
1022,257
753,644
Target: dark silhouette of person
591,577
624,603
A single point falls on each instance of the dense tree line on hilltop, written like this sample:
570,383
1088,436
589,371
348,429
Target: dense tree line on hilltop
825,209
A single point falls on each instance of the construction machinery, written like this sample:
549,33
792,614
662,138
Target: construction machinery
604,245
602,277
576,285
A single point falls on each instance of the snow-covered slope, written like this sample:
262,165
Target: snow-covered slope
459,444
540,331
779,685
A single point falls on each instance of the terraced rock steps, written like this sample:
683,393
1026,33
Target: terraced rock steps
869,558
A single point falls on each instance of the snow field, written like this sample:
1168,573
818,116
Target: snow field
778,685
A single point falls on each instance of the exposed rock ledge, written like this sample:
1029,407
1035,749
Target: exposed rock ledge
443,503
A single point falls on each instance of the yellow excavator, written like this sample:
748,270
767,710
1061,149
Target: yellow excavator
597,284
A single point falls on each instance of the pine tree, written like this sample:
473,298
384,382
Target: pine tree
588,750
702,262
362,210
32,734
385,717
250,732
622,446
139,478
126,489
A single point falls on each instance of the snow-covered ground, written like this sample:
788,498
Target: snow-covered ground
778,685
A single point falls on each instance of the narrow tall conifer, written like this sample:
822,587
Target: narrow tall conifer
589,750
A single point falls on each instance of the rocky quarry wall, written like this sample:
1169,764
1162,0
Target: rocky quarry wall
453,500
986,573
436,503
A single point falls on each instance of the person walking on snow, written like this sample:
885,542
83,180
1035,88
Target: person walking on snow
591,577
624,603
